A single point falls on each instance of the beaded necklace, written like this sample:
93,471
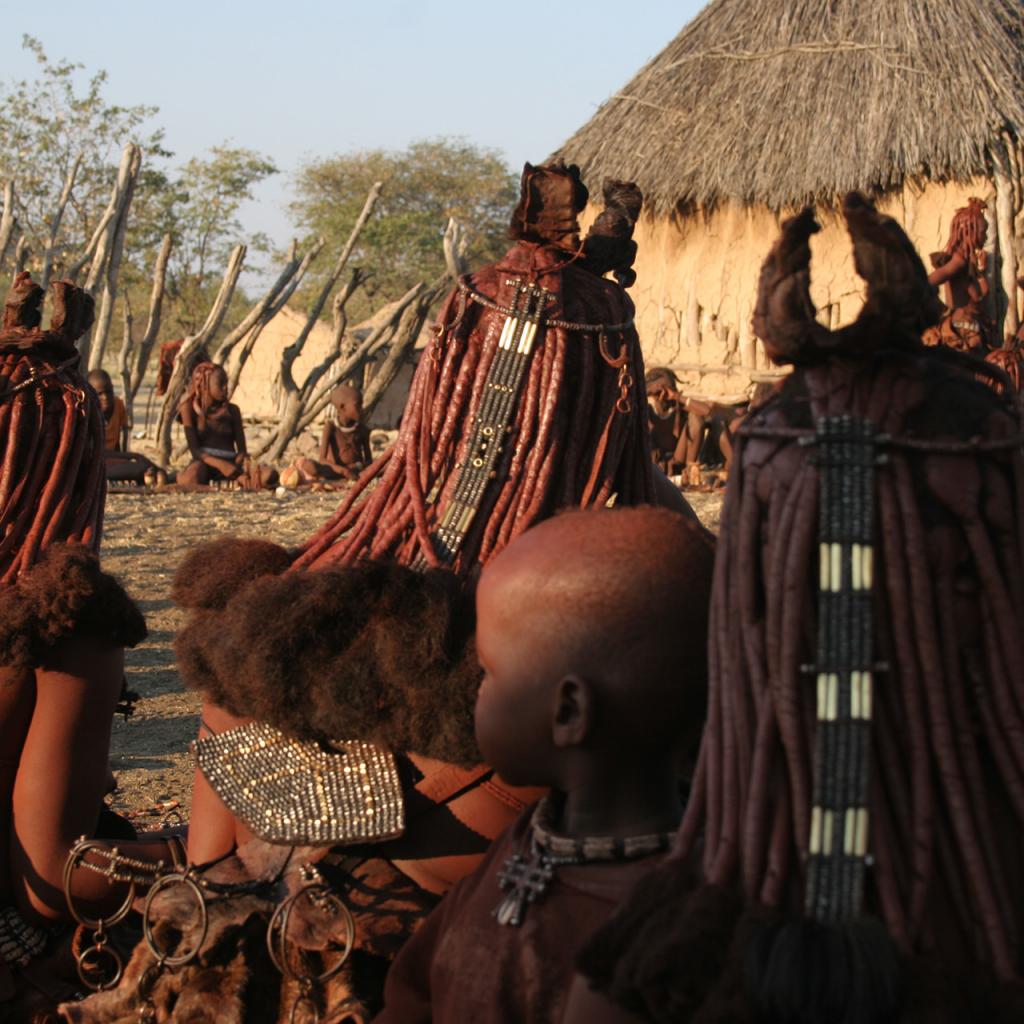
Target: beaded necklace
526,876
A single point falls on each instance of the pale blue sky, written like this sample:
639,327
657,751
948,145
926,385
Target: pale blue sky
301,78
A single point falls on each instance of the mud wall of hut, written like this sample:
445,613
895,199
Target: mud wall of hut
697,280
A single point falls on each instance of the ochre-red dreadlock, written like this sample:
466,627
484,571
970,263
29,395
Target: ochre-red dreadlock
52,484
946,780
580,432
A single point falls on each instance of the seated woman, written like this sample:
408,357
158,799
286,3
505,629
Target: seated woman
120,464
213,429
64,625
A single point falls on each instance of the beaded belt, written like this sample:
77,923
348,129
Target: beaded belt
20,941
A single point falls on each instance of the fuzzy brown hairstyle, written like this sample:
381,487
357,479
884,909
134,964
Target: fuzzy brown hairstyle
211,573
373,650
65,596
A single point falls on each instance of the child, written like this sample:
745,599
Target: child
344,444
591,632
120,464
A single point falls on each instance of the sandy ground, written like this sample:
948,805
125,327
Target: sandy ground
145,536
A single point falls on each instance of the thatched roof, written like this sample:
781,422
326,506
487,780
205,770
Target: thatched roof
786,101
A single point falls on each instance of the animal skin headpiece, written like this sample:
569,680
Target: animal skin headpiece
550,201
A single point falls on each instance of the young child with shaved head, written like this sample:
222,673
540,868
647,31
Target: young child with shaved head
591,631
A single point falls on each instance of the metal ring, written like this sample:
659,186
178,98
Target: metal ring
279,923
306,999
95,952
75,856
179,878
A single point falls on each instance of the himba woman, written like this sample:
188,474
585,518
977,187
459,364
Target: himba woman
529,399
64,625
960,269
852,847
213,429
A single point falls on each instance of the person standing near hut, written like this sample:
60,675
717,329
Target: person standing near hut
756,108
960,269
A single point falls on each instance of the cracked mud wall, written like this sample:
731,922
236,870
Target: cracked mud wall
697,280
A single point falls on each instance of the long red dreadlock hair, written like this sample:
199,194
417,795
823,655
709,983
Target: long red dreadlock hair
327,662
945,796
52,484
580,433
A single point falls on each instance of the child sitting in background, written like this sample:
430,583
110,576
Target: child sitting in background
591,632
344,444
119,463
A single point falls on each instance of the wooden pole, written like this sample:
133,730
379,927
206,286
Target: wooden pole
156,300
58,216
7,222
108,293
1006,312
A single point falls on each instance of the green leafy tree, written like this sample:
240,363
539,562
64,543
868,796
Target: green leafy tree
48,122
424,185
199,207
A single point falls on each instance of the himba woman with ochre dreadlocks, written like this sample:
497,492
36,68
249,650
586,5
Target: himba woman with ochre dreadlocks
64,625
528,399
852,846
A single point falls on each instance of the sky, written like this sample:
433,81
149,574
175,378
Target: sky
298,79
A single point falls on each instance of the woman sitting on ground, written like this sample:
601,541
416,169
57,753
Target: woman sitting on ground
213,429
64,625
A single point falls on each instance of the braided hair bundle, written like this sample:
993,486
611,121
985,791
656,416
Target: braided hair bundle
558,418
52,484
925,735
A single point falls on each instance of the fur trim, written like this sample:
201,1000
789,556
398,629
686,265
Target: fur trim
212,572
64,596
373,651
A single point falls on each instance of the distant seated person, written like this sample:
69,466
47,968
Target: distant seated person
122,466
344,443
594,685
215,436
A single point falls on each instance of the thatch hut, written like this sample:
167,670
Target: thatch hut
755,109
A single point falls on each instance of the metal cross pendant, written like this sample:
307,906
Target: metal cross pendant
524,881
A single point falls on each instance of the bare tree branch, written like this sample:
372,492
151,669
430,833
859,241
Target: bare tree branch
156,300
182,362
7,222
58,216
304,405
22,254
455,245
101,329
402,345
124,361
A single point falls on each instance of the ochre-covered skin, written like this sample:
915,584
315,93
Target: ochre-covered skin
63,622
344,443
960,270
947,775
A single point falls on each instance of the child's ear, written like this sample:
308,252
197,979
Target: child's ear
574,712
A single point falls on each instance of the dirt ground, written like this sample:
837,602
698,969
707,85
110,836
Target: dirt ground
145,537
